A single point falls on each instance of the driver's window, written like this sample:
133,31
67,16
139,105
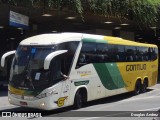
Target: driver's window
56,69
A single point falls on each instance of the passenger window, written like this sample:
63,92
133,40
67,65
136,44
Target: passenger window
113,53
68,57
154,53
87,54
130,53
145,53
139,54
121,53
102,53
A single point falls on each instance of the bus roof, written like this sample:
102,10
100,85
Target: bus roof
49,39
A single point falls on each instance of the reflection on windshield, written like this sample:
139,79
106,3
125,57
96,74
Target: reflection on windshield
27,69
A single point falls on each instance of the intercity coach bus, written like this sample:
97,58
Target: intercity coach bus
51,71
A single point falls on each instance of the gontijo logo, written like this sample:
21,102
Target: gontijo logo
136,67
61,101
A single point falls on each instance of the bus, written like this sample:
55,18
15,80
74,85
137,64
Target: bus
96,66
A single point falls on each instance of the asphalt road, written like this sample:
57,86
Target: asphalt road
119,107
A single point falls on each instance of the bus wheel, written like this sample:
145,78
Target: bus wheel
78,100
144,87
137,89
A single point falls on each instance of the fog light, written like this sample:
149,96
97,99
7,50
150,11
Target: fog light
42,104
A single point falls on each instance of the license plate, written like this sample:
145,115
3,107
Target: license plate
23,103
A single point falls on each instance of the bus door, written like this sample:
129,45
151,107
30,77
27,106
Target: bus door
67,60
66,86
61,79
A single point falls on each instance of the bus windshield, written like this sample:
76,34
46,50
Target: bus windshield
27,71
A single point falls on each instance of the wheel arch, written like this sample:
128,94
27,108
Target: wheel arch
145,79
137,86
82,88
139,79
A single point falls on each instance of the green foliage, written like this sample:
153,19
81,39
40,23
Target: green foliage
144,12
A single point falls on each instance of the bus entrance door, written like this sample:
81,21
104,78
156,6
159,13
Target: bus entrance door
65,91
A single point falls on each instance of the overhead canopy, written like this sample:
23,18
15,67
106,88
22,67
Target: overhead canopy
142,12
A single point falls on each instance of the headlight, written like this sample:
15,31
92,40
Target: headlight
46,94
42,95
9,100
42,104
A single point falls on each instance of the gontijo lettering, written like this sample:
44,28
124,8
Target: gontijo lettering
136,67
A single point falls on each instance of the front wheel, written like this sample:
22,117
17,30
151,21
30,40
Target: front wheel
78,100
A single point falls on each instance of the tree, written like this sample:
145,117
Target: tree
143,12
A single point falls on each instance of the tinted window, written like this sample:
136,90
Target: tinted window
121,53
139,53
70,46
154,53
102,53
106,53
144,53
130,53
87,54
67,58
113,53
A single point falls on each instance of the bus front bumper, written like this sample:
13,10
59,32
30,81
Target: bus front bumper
44,103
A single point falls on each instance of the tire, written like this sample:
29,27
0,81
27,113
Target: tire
78,101
144,87
138,87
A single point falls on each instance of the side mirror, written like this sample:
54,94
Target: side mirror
6,55
49,57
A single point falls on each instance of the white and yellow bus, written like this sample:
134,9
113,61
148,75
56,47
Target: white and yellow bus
97,66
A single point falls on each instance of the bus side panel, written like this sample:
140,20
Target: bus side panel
110,77
153,72
132,71
86,75
103,80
